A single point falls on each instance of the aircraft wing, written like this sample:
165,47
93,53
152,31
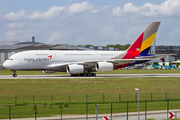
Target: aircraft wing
93,62
114,61
58,65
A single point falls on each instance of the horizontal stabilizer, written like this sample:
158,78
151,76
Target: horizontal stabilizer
155,56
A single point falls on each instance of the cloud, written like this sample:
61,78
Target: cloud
58,36
109,32
19,15
69,2
11,34
54,36
174,34
80,7
19,34
16,25
22,15
14,34
133,32
130,8
117,11
77,23
168,8
51,13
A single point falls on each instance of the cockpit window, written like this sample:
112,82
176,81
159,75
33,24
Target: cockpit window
10,59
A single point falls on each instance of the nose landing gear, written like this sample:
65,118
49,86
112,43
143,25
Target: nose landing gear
14,73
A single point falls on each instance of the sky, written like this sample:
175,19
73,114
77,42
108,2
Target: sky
95,22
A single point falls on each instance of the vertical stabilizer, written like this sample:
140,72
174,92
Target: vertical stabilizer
142,44
149,35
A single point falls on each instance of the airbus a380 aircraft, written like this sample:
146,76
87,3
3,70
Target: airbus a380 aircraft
83,63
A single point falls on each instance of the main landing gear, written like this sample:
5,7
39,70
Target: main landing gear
14,74
84,74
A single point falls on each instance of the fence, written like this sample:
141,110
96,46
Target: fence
42,106
36,111
88,98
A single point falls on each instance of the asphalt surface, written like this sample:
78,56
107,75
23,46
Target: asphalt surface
157,115
98,76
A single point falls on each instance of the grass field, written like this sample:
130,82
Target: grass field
84,86
78,88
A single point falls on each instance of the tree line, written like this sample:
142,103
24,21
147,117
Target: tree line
121,47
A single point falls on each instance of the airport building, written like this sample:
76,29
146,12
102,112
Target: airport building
169,50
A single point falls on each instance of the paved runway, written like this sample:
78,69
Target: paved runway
157,115
98,76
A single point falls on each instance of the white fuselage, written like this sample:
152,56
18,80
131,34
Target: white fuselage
42,59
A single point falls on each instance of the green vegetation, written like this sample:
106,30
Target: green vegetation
177,65
77,86
121,47
163,64
140,71
74,109
48,94
170,63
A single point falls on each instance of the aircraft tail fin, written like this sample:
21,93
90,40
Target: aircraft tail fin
149,36
162,59
142,44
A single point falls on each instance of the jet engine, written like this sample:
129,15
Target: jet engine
48,71
75,69
103,66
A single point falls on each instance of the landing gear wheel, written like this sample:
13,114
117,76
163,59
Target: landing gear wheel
93,74
87,74
74,74
81,74
14,75
90,74
84,74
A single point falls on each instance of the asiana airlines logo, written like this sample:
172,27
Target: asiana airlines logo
137,49
38,59
50,56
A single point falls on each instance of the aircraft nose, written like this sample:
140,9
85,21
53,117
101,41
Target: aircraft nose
7,64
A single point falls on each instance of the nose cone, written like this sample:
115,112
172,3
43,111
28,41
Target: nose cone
7,64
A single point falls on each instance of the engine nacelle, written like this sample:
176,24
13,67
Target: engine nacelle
75,69
104,66
48,71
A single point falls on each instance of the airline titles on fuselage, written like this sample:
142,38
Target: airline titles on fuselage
36,59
